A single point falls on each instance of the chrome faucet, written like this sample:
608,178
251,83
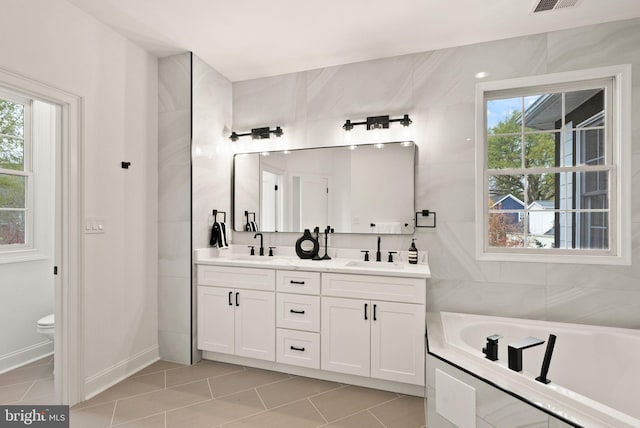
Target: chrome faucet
378,253
515,351
261,243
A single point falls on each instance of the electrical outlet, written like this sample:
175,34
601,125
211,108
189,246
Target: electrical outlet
94,225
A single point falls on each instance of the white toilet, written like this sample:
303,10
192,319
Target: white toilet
46,326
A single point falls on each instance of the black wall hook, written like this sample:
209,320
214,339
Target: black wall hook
125,165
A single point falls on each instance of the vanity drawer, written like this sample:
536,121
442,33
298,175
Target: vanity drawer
293,281
372,287
299,348
237,277
298,311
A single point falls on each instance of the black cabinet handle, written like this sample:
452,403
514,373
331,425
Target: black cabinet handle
237,301
297,349
365,311
293,311
230,302
297,282
374,312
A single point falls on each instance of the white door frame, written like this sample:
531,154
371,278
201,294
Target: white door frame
69,367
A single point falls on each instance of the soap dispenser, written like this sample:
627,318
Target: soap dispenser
413,253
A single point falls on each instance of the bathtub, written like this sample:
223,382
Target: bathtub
594,372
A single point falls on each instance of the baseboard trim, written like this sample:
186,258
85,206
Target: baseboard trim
19,358
105,379
367,382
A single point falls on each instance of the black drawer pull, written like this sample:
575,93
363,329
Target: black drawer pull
297,349
237,301
374,312
293,311
230,302
365,311
297,282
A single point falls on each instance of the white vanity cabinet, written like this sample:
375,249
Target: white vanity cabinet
236,311
298,318
382,338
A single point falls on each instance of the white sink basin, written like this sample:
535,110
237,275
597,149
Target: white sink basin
374,265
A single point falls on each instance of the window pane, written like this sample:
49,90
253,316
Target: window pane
593,190
589,146
543,112
503,116
506,230
12,227
11,118
580,106
12,153
542,228
541,150
506,192
504,152
593,229
541,190
12,191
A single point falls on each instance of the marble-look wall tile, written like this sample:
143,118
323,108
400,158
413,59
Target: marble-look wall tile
447,76
175,347
269,101
595,46
613,308
499,299
174,301
355,91
174,249
174,75
174,198
450,190
174,138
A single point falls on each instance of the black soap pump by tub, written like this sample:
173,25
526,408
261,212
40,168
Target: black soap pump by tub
413,253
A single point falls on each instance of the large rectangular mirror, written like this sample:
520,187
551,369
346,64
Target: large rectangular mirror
354,189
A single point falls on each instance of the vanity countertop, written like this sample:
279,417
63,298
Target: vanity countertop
206,256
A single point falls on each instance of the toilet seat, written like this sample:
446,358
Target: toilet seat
46,321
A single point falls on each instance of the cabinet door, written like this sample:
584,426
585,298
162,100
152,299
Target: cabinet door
398,342
345,336
215,319
255,324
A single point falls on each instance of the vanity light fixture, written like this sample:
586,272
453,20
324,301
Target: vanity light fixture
377,122
258,133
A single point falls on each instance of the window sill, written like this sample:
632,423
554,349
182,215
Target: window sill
556,258
22,255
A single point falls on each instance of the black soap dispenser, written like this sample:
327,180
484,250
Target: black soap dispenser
413,253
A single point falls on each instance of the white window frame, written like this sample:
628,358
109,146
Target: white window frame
10,251
619,252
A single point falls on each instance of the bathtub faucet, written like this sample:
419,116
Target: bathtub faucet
491,351
547,360
515,351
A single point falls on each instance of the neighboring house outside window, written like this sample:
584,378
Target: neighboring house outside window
15,172
552,168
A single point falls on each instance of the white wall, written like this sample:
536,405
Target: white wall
56,43
437,90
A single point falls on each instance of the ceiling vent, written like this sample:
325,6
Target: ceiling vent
547,5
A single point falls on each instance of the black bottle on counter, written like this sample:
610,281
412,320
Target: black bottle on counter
413,253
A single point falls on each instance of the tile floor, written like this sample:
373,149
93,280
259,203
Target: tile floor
29,384
215,395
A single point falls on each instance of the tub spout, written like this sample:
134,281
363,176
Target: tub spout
515,351
547,360
491,351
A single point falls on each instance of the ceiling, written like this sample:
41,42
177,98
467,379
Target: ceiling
245,39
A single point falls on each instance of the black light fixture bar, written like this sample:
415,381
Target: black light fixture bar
377,122
258,133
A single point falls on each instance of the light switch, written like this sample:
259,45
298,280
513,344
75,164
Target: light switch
94,225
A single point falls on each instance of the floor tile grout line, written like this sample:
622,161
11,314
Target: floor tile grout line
252,387
264,406
27,391
318,410
137,419
376,418
113,414
210,389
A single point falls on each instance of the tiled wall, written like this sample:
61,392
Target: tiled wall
174,208
437,89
